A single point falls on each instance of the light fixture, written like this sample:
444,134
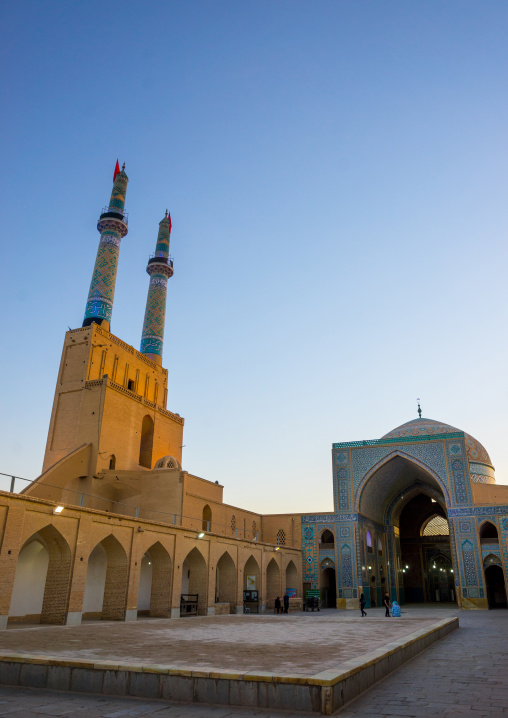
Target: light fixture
149,563
407,566
433,501
277,548
201,534
403,570
370,568
434,566
451,570
58,510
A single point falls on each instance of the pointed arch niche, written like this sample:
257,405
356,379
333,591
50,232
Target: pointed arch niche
154,594
41,584
106,581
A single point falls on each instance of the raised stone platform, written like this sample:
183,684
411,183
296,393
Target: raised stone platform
306,662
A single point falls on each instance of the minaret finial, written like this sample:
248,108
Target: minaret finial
112,225
123,167
160,269
419,409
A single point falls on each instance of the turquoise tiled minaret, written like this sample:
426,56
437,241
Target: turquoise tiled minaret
112,225
160,269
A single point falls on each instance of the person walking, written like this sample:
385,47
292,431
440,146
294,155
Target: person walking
386,603
362,605
286,603
277,605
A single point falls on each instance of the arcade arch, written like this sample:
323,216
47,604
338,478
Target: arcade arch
106,581
154,593
292,577
225,581
195,578
251,574
42,580
273,587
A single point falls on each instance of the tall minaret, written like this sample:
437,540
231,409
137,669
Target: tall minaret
160,268
112,225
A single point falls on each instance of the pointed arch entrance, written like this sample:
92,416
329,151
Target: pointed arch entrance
225,582
154,594
195,579
106,581
404,502
273,587
41,584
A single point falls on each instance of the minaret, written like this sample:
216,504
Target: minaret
112,225
160,268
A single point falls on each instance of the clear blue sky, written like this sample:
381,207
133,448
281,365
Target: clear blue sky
337,178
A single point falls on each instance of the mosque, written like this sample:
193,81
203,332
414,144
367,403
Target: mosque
115,527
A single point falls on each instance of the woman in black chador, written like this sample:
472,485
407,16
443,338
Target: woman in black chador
362,604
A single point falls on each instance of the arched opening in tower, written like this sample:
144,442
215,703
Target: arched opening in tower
146,443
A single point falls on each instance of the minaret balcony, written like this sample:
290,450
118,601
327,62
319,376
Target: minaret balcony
122,216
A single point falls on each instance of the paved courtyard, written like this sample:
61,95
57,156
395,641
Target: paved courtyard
297,644
465,674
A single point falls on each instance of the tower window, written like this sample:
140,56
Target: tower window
131,385
112,461
146,444
281,537
368,539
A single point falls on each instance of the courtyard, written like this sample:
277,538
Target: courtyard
287,644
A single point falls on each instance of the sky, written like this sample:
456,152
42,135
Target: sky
336,174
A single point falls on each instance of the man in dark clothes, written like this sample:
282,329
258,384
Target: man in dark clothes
277,605
386,603
286,603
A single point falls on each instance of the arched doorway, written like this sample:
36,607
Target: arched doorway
496,586
154,593
225,582
426,555
41,584
327,585
292,577
106,581
195,578
403,503
273,587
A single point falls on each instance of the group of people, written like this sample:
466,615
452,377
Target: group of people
386,604
282,607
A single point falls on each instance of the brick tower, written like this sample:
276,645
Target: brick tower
112,225
160,268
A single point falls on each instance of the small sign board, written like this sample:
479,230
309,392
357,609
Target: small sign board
314,592
291,592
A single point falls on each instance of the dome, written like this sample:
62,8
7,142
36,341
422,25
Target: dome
167,462
428,427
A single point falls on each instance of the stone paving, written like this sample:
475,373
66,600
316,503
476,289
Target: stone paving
297,644
465,674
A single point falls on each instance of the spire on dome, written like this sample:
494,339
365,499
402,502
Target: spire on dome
419,409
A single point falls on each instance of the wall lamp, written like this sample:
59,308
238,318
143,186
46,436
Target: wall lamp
58,509
201,534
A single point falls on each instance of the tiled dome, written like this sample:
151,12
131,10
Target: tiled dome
428,427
